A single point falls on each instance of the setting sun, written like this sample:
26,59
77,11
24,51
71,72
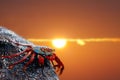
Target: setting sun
59,43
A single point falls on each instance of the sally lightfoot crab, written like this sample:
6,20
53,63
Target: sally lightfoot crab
42,53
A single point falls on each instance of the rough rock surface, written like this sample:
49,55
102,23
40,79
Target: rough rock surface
33,72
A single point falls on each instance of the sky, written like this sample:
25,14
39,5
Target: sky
47,19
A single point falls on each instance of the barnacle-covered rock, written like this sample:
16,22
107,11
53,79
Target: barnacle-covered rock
33,72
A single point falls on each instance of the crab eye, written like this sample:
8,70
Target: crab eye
53,50
42,49
49,50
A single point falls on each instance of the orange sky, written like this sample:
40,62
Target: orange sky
71,19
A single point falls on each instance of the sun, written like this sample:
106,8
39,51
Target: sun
59,43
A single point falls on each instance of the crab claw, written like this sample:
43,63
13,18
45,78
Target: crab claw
59,67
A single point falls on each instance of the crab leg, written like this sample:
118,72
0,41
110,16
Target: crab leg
40,60
52,63
19,43
51,58
14,55
23,59
30,61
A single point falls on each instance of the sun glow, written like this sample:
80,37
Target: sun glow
59,43
81,42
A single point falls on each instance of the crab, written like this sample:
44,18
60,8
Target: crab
42,53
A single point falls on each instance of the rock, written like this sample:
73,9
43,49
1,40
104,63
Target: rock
33,71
